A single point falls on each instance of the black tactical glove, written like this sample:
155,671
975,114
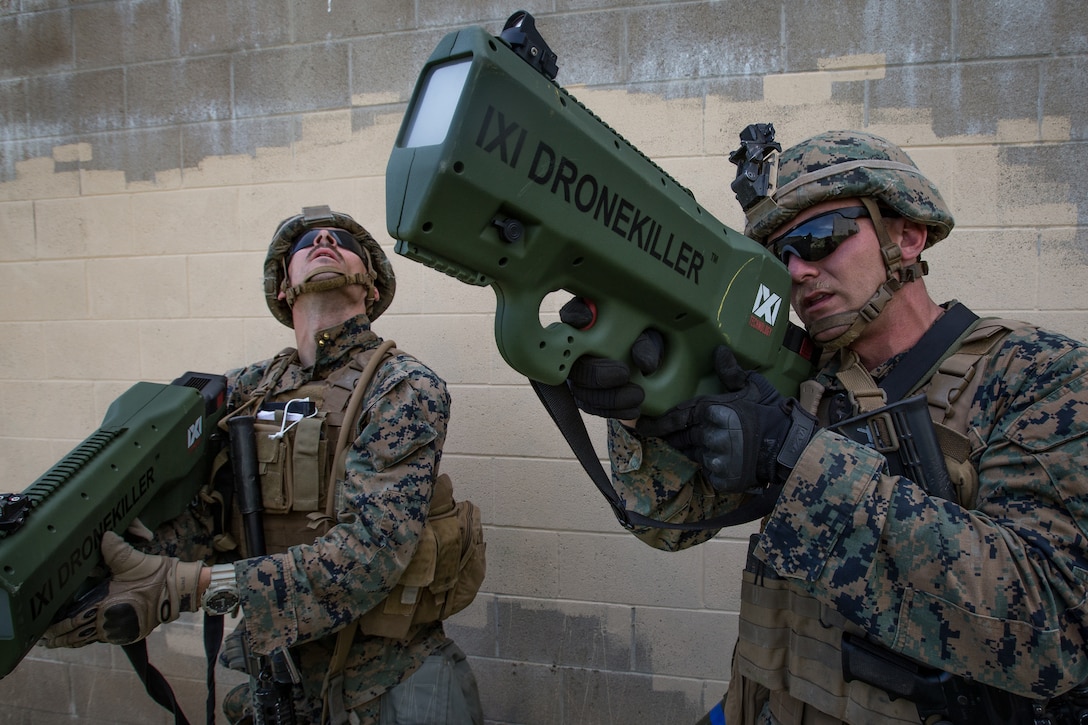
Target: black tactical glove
602,386
746,438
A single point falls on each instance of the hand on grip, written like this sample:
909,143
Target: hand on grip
143,592
602,386
745,438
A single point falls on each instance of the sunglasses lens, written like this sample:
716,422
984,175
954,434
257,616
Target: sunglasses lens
816,238
343,238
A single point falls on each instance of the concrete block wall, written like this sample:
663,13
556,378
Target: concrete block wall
148,148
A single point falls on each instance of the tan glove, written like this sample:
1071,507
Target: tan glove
143,592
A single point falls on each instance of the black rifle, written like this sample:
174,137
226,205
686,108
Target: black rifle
941,698
1070,708
904,433
276,673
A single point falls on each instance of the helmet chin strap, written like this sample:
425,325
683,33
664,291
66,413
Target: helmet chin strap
896,276
341,280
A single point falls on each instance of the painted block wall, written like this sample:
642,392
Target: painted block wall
148,149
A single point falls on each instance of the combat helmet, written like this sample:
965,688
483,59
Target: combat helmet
379,270
842,164
775,186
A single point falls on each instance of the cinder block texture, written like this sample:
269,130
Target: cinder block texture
149,148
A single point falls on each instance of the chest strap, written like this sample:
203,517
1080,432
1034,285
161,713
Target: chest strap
919,363
939,353
347,427
272,375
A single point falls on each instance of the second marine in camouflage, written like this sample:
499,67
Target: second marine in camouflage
990,587
355,579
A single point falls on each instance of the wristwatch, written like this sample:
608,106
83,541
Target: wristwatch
221,597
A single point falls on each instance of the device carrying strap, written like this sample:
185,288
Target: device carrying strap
154,682
916,366
559,402
213,639
922,360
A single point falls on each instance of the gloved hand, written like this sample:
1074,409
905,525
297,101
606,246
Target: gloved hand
143,592
602,386
746,438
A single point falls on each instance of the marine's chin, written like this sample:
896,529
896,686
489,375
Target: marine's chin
826,335
323,273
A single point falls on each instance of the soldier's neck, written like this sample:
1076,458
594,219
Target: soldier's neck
312,316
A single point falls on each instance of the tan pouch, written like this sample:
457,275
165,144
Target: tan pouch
291,464
445,573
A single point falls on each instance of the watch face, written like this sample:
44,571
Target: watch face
221,602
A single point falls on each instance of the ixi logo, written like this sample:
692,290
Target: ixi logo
195,431
767,305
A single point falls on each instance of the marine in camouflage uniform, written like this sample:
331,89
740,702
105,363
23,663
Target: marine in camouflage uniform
302,597
991,586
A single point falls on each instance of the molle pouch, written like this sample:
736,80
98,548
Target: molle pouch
292,456
445,573
461,564
394,615
457,531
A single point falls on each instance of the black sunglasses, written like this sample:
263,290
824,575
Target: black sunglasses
817,237
344,240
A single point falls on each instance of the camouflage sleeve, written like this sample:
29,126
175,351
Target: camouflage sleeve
187,536
654,479
241,382
313,590
997,592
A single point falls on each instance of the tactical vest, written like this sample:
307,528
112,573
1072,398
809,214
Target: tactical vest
789,650
301,471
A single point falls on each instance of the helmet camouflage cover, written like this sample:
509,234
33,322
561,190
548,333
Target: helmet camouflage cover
313,217
848,164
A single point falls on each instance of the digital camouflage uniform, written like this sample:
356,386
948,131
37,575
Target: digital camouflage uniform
993,588
995,592
303,597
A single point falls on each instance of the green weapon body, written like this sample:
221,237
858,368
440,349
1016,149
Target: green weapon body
500,177
148,460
